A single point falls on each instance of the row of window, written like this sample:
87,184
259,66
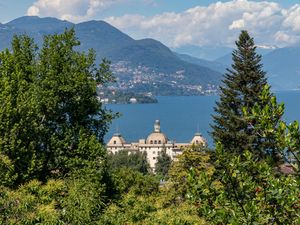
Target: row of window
151,142
155,142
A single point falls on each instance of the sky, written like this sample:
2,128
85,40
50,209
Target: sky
176,23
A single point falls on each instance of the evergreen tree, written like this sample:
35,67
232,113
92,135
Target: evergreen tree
242,87
163,163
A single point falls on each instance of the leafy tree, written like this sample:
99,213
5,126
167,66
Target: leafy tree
150,210
19,122
242,87
133,160
163,163
195,157
50,116
244,190
68,201
128,179
280,139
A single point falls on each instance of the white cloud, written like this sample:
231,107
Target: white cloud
292,19
237,24
72,10
217,24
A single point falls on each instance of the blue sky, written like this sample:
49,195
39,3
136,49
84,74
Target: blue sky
11,9
176,23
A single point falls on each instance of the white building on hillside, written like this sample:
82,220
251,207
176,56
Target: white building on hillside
153,145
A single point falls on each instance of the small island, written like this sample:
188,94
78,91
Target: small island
111,96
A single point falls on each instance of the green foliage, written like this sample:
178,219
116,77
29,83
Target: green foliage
279,139
266,120
150,210
54,169
244,190
195,158
32,203
7,171
241,89
19,123
50,120
127,179
84,201
76,200
133,160
163,163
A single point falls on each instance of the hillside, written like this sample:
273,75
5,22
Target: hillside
283,67
140,65
214,65
281,64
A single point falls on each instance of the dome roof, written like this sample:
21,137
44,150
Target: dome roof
198,139
157,138
117,139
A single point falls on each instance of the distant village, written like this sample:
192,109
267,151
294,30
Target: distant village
139,84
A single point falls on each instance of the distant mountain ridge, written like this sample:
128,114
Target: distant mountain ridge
281,64
147,60
149,66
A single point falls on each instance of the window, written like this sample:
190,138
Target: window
155,142
154,158
151,142
115,142
197,142
153,152
159,142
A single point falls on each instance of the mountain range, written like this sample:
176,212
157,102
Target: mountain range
282,66
149,66
140,65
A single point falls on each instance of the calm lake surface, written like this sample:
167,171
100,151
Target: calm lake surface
180,117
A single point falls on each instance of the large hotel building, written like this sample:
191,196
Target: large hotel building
153,145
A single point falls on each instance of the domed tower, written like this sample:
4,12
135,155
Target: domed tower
116,141
157,137
198,139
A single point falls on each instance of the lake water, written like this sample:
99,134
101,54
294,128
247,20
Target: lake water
181,117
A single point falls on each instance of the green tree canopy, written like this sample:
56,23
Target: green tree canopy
163,163
50,115
123,159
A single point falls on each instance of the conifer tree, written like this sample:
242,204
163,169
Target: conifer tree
241,88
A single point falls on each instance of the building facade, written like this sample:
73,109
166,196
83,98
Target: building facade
153,145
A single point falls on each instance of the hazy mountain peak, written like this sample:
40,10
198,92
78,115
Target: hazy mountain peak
30,20
41,26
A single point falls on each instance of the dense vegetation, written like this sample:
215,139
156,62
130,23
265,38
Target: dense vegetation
54,168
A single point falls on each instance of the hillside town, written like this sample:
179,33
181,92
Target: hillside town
142,79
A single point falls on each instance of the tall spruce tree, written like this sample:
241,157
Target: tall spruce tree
242,87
